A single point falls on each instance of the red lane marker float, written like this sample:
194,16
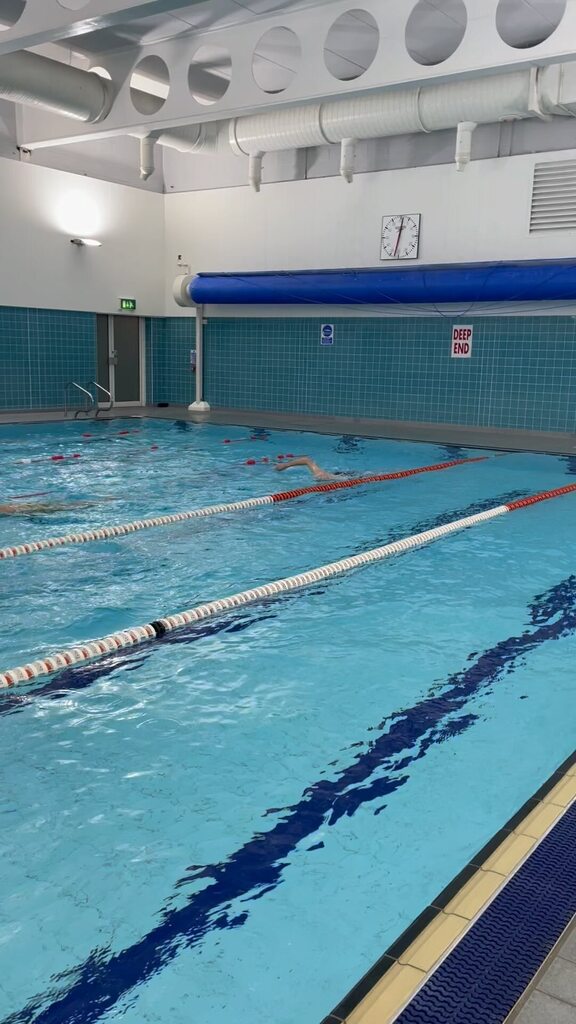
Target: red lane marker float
236,506
47,458
534,499
159,627
337,485
117,433
76,455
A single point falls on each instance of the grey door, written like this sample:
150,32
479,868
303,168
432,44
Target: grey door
126,356
103,352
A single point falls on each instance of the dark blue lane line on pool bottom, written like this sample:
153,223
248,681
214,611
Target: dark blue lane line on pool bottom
80,677
379,768
490,968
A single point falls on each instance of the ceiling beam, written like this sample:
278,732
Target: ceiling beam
481,51
45,21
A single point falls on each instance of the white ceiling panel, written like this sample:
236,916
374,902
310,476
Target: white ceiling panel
210,14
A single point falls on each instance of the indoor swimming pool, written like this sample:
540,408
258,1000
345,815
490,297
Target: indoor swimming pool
234,822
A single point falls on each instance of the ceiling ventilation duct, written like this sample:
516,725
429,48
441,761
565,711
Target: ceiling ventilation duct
463,104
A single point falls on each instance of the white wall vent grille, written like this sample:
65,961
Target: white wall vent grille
554,196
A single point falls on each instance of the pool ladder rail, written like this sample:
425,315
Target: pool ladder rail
90,398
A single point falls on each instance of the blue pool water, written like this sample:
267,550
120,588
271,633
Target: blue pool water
234,823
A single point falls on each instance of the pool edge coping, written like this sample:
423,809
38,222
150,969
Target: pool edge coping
516,439
409,962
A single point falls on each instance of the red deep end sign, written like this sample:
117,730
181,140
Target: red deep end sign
461,341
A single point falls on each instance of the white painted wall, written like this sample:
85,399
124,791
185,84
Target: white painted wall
41,209
481,214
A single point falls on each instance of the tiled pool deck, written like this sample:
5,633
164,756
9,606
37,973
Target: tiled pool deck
551,998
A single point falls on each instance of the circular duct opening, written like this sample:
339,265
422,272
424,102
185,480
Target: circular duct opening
351,45
10,12
435,30
523,24
73,5
150,85
102,73
276,59
209,74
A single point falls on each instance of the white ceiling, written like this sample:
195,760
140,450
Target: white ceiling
209,14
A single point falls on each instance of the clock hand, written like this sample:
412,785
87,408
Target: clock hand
399,233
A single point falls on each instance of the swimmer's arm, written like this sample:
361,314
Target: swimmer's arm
304,460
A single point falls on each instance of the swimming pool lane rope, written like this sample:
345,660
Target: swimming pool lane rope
106,532
107,645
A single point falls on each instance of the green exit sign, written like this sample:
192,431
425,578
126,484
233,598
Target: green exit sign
128,304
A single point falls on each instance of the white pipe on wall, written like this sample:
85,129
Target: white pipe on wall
207,139
467,102
290,128
347,159
28,78
464,143
255,161
147,162
387,113
38,81
199,405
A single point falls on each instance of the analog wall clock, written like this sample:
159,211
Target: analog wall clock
400,236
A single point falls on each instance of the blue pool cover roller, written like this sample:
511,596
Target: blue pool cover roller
466,282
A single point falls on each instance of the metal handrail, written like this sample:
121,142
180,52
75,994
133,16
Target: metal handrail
88,407
95,384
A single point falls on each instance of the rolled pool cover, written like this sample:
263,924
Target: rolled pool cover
466,282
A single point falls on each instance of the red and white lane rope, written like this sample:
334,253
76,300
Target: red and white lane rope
107,645
91,458
106,532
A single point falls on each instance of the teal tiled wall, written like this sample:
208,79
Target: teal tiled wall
40,350
522,372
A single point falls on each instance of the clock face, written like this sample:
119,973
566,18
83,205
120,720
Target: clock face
400,237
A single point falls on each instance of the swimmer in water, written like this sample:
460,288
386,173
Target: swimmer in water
44,508
317,472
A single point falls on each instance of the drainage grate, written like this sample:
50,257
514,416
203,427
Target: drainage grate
554,196
487,972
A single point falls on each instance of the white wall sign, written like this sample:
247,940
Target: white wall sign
461,347
327,334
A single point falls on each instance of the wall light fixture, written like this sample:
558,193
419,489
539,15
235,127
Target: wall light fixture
91,242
